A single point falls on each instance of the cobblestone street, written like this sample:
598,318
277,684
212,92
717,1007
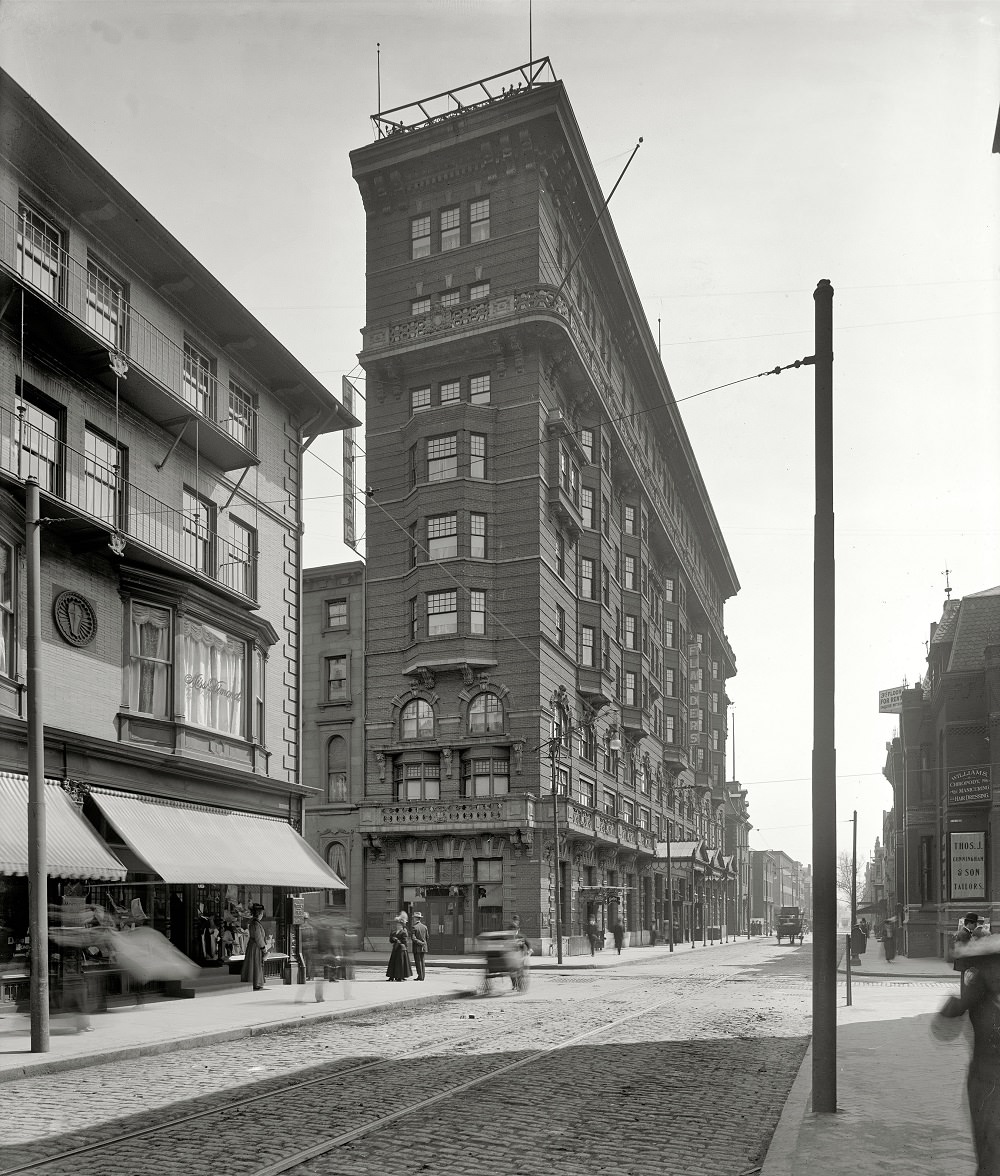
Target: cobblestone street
677,1066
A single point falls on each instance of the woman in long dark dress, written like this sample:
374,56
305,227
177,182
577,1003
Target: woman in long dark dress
253,960
981,1000
399,959
889,941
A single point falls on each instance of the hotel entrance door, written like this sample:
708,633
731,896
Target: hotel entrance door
446,923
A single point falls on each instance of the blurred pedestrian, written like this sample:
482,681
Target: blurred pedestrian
889,940
592,934
253,960
310,964
970,929
981,1000
399,960
619,934
75,994
421,942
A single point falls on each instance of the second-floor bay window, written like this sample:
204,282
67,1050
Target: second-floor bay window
150,660
213,667
442,536
442,458
442,613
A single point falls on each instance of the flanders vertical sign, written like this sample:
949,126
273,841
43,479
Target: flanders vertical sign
350,479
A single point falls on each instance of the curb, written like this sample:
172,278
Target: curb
178,1044
781,1150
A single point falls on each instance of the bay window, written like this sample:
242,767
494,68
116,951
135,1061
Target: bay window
213,666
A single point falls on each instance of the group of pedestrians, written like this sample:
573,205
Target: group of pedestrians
327,953
404,940
595,936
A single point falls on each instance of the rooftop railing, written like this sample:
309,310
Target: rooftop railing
97,489
94,301
462,99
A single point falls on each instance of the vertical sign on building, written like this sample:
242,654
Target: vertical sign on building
967,853
350,452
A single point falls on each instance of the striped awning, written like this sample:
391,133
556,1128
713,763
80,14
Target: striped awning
194,843
72,848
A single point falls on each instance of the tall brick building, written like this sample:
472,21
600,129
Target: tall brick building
546,575
164,427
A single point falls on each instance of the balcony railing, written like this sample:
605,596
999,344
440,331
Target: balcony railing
89,298
497,310
97,490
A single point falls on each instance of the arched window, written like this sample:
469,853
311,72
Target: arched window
485,714
417,720
336,856
336,769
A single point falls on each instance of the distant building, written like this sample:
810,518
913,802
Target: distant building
737,847
546,575
943,769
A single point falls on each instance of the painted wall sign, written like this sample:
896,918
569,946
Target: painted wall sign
970,785
967,855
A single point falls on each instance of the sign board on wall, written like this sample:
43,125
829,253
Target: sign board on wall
967,856
890,702
970,785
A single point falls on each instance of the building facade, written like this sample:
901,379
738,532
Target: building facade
736,816
546,575
942,843
333,740
163,427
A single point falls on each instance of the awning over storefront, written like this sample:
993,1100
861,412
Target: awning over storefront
72,848
192,843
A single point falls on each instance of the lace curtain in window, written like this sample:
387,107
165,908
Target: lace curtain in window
213,668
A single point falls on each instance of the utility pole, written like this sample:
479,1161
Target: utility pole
824,758
38,874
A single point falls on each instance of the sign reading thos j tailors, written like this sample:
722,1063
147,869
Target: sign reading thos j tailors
969,786
968,865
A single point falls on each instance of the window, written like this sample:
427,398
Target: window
442,613
420,306
628,523
560,627
479,220
668,590
8,648
478,291
451,228
606,653
40,448
715,669
485,777
417,781
644,818
199,380
588,744
560,556
420,236
451,391
38,251
586,646
477,455
242,422
669,682
479,389
477,612
630,573
336,678
442,536
631,693
451,298
630,623
485,714
477,536
412,533
212,665
416,720
669,734
106,305
442,458
668,634
103,467
150,659
419,398
605,455
199,530
610,804
411,606
336,613
239,568
336,769
605,517
587,507
587,578
627,813
587,441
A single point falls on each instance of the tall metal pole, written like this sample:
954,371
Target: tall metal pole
38,911
854,872
824,758
555,850
692,900
670,890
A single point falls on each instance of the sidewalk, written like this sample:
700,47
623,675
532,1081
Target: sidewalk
901,1103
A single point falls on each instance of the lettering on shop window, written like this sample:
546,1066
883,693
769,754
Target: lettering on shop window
213,686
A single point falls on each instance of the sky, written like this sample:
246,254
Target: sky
783,143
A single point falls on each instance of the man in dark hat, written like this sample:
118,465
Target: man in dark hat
420,937
970,929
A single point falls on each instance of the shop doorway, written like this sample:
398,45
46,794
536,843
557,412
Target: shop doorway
446,922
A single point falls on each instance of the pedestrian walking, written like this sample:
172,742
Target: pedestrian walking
399,959
981,1000
864,926
421,942
253,960
592,934
970,929
619,934
889,940
75,993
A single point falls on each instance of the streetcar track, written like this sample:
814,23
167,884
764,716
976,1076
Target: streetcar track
274,1093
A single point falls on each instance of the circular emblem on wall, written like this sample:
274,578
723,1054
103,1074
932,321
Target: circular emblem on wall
75,618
